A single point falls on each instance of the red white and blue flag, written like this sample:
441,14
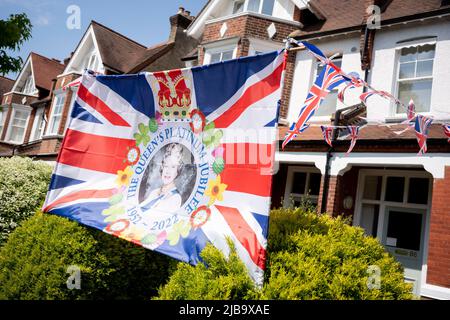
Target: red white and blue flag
175,160
422,126
327,133
446,128
353,132
327,80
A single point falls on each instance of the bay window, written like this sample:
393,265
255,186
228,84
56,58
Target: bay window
18,125
38,125
3,113
415,76
258,6
55,118
302,185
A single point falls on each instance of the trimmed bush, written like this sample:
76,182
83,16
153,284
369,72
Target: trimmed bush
310,256
35,260
23,186
224,279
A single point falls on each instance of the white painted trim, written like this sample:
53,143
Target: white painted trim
28,63
318,159
434,163
271,45
52,112
11,119
21,93
195,30
255,14
220,46
34,128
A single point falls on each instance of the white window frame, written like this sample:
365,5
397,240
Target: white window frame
29,87
290,180
3,114
260,46
39,116
63,95
261,4
15,108
74,91
407,174
220,47
398,49
328,117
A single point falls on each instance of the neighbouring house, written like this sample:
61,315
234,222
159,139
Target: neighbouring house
35,113
383,185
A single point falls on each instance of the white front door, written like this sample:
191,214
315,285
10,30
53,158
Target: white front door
393,206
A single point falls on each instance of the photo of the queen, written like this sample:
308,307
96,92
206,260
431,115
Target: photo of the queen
168,180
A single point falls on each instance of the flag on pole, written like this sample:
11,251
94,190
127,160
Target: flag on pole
353,131
327,133
156,158
327,80
422,125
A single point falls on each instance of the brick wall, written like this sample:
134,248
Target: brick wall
439,241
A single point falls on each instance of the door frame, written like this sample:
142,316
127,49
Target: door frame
383,205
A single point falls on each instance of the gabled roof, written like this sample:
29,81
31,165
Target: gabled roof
45,70
117,51
348,14
6,85
150,55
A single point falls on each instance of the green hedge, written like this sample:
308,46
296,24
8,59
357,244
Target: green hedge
310,256
36,257
23,186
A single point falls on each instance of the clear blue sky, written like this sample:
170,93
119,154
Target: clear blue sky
145,21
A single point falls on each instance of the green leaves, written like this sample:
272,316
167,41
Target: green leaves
142,136
13,33
180,228
210,136
153,125
218,165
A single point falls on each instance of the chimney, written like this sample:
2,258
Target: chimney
179,22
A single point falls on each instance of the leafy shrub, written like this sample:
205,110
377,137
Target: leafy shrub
35,259
23,185
224,279
310,256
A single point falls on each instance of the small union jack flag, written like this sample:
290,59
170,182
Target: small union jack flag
446,128
422,125
353,131
327,132
328,79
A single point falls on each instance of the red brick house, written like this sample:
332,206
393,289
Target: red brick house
40,87
382,185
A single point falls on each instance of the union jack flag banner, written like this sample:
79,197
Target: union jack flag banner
446,128
353,131
327,134
422,125
327,80
175,160
366,95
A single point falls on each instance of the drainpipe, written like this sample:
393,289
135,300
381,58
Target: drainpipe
337,116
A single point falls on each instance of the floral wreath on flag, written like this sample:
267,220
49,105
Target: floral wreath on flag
124,227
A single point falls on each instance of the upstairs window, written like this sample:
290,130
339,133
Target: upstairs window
3,113
258,6
38,125
29,88
18,125
55,118
328,105
221,56
415,76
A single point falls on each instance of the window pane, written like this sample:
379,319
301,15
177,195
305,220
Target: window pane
406,228
369,219
55,125
424,68
418,190
372,188
407,70
328,105
227,55
299,183
268,7
17,134
426,52
408,54
419,91
253,5
238,6
395,189
314,184
215,57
